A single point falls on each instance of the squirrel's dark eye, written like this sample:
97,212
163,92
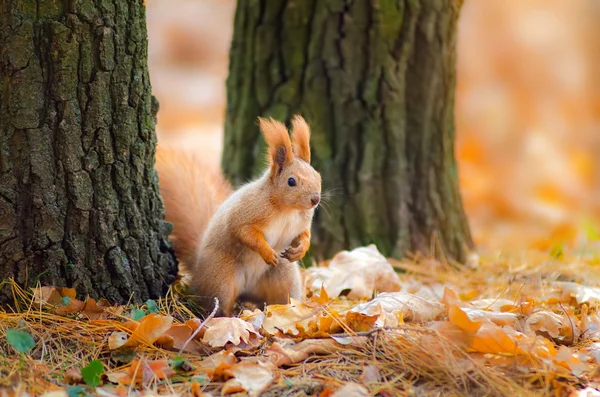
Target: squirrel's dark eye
291,182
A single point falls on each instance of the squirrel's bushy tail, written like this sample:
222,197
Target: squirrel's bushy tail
192,190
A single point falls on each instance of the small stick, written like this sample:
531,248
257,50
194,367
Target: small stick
211,315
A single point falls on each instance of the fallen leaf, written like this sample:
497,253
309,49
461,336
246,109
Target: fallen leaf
370,374
363,271
94,310
544,322
179,334
497,318
217,362
289,319
491,338
495,305
392,308
223,330
150,328
46,296
73,376
567,359
144,371
459,317
351,390
253,378
581,293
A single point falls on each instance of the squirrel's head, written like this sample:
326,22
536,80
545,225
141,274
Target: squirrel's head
295,183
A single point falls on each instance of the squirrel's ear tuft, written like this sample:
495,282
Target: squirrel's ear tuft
278,141
301,138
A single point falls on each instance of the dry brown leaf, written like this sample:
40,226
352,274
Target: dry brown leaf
544,322
93,310
223,359
292,353
179,334
253,378
363,271
280,355
289,318
351,390
115,377
73,376
144,371
223,330
392,308
370,374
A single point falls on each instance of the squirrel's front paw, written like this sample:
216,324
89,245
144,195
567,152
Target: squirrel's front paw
271,259
294,254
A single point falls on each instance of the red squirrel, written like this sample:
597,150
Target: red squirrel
243,244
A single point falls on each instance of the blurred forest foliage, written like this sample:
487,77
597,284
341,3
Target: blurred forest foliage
527,108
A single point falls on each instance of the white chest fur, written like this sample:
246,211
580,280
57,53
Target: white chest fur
281,230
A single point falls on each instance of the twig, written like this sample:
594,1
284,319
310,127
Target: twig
193,335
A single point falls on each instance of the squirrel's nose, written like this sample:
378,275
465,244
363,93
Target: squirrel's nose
315,199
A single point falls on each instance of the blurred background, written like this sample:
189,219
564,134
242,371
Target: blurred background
527,108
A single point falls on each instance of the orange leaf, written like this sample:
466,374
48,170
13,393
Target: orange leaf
143,371
459,318
490,338
150,329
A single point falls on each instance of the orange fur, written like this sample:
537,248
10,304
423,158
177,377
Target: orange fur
278,141
301,138
192,191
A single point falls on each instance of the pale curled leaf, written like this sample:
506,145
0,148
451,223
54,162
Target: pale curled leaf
363,271
253,378
351,390
581,293
495,317
223,330
388,305
544,321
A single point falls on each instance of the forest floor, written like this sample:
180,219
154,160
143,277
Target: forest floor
518,325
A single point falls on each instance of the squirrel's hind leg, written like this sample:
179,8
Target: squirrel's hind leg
279,284
205,293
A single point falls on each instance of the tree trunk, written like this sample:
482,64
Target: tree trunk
79,200
375,80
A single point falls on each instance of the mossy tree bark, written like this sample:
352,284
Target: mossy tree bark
375,80
79,201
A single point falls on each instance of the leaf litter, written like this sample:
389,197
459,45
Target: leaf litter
414,327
